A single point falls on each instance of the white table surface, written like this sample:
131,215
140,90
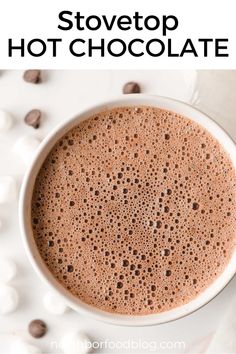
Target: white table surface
62,95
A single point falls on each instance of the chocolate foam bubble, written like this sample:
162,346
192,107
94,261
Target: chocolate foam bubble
134,210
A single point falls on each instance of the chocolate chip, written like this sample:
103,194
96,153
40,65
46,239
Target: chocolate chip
37,328
131,87
195,206
33,118
32,76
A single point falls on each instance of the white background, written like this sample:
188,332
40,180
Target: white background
39,19
62,95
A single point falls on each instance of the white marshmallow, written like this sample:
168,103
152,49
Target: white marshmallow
75,343
8,189
54,304
5,121
8,269
19,346
26,148
8,299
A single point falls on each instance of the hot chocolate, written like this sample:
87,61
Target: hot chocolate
134,210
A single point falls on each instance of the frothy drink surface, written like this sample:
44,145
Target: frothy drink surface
133,210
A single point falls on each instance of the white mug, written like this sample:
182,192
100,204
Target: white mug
25,213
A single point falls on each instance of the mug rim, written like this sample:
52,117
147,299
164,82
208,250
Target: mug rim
33,254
